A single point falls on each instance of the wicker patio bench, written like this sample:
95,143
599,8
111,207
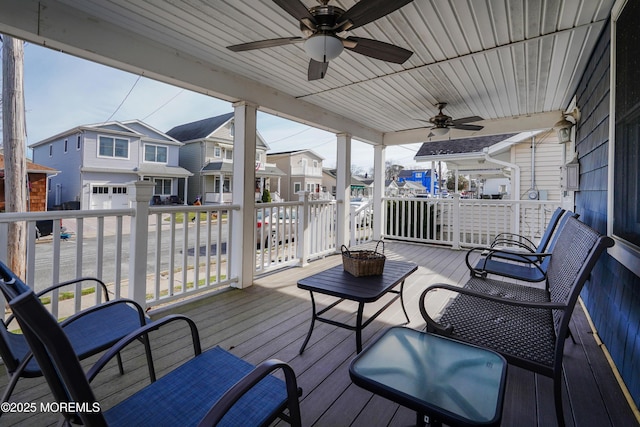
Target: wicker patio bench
527,325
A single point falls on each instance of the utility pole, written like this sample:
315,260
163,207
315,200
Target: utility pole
14,137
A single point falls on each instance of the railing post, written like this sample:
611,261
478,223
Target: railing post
455,243
304,230
140,193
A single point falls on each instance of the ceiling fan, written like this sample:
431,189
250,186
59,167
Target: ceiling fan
441,123
324,34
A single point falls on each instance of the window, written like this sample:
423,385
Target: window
624,147
50,150
297,187
78,143
66,145
100,189
113,147
155,153
119,190
228,154
217,152
226,185
163,186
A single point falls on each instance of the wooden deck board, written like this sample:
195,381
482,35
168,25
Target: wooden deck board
271,320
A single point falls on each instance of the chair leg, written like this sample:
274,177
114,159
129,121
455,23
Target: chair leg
10,387
147,350
557,394
120,366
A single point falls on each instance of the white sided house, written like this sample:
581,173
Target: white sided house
304,172
525,166
96,162
207,152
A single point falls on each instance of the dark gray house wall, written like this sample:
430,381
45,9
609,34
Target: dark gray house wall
612,296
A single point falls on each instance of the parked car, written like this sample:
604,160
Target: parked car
364,212
276,226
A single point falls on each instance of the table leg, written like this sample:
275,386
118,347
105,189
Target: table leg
313,320
402,302
359,327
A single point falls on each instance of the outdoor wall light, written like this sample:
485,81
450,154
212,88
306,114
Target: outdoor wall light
563,127
323,47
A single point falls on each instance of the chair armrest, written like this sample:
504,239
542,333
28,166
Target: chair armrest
73,281
52,288
445,330
231,396
490,252
144,330
105,306
515,239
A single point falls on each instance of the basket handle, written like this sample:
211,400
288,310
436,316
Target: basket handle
380,241
345,250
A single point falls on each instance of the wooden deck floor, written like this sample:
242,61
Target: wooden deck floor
271,319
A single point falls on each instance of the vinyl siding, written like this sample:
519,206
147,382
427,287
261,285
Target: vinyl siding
612,296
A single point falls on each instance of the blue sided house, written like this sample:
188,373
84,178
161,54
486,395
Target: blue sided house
420,176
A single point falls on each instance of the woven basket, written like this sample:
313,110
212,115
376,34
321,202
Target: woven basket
363,263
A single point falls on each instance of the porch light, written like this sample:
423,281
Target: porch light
323,47
563,127
440,131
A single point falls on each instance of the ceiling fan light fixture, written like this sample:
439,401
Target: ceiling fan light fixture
323,47
440,131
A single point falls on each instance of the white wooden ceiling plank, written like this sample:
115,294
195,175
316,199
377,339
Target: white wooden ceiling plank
560,45
546,59
533,19
485,27
452,29
500,21
531,49
515,19
550,13
467,24
508,75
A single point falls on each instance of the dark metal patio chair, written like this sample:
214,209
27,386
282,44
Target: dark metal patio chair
523,243
90,331
527,266
526,325
212,388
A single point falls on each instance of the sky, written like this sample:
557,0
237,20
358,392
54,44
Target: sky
62,92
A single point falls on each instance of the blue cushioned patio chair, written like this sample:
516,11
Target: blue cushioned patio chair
90,331
513,241
526,266
212,388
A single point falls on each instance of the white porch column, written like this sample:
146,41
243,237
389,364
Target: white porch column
433,181
140,193
343,187
242,257
379,213
221,186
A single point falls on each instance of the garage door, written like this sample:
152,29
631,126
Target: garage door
109,197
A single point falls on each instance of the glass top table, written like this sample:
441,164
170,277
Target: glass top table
445,380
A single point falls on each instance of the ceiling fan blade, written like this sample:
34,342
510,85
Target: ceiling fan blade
468,127
296,8
466,120
317,70
264,43
379,50
366,11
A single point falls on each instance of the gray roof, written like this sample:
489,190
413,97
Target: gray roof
198,129
163,170
457,146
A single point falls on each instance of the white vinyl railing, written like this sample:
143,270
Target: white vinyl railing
464,222
160,254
